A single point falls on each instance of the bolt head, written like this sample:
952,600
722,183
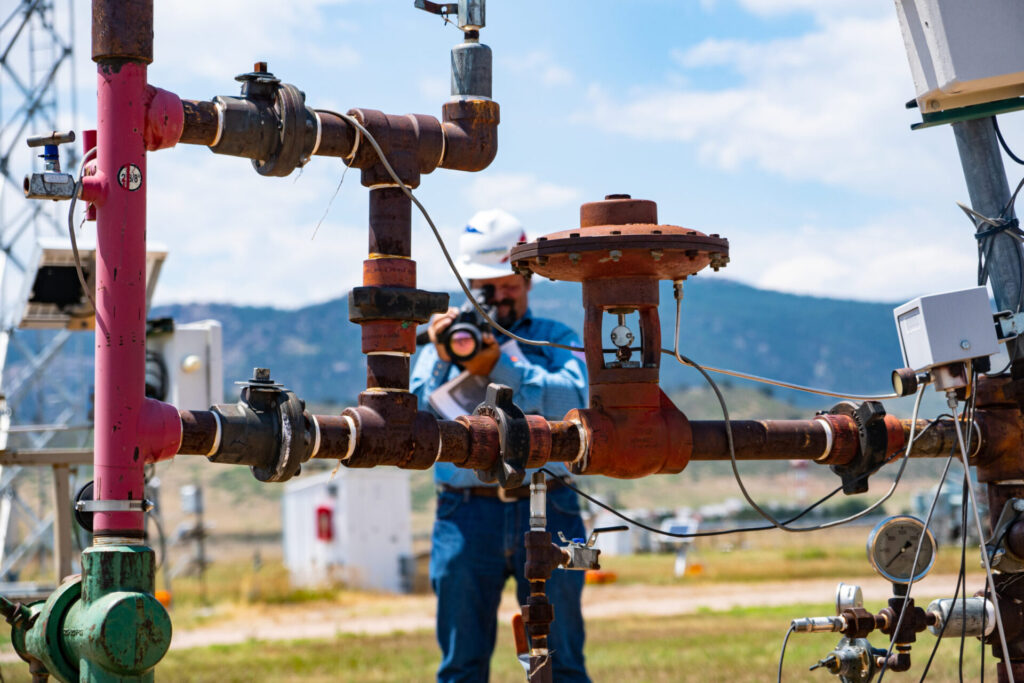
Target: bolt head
260,67
965,344
261,374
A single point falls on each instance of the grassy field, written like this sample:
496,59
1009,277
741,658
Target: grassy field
738,646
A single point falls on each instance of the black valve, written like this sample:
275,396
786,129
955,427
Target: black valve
268,124
873,438
513,437
267,429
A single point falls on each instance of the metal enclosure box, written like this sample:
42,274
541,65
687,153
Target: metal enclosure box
940,329
370,546
192,356
963,52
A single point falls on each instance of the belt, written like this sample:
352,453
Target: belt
504,495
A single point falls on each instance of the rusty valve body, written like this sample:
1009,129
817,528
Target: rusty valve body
619,253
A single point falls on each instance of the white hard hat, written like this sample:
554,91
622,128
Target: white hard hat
486,242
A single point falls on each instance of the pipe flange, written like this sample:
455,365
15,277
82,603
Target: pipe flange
290,107
873,438
513,437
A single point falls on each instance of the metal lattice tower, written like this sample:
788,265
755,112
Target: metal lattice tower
37,95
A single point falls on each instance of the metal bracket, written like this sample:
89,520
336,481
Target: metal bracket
999,555
1008,324
441,8
114,505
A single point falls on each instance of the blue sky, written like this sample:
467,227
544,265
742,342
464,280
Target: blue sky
776,123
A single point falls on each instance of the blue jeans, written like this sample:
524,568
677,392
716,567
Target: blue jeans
477,545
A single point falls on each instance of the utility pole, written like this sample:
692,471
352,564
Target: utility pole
985,175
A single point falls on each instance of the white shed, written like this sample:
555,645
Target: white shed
354,528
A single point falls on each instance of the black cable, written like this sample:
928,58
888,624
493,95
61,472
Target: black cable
1002,142
782,654
963,566
961,575
724,532
984,613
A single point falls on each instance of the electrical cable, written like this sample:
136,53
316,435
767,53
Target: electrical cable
960,578
913,567
963,564
782,654
724,532
732,448
71,228
952,400
536,342
790,385
437,234
1002,142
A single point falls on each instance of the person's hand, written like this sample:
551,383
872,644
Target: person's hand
438,324
486,358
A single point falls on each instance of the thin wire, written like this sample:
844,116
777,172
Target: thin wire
437,234
981,536
782,654
732,447
71,229
960,578
913,567
330,203
724,532
963,564
1002,143
790,385
536,342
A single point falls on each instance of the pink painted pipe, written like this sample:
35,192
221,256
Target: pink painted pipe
130,429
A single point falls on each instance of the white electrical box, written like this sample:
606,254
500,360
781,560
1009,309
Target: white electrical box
940,329
187,365
963,52
366,540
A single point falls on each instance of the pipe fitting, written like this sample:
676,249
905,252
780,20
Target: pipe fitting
268,430
165,119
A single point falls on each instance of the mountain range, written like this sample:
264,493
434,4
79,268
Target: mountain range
827,343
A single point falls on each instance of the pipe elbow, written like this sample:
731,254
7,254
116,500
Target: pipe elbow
165,119
160,430
470,134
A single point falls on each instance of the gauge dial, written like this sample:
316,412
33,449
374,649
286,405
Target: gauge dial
894,542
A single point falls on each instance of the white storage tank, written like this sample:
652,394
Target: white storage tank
354,529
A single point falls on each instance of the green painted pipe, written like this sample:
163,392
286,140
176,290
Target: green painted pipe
103,626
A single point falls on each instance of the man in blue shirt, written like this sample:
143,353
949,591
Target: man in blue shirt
477,541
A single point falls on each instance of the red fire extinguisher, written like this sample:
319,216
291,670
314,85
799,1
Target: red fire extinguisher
325,519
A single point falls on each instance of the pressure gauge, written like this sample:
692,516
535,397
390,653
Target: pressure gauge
893,544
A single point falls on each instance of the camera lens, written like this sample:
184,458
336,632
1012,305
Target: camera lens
463,342
463,345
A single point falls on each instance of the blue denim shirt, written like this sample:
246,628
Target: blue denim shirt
546,381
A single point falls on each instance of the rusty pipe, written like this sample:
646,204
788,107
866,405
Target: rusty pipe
465,139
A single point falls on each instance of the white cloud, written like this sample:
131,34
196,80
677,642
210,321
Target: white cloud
434,88
203,39
539,65
892,257
236,236
816,7
519,192
825,106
